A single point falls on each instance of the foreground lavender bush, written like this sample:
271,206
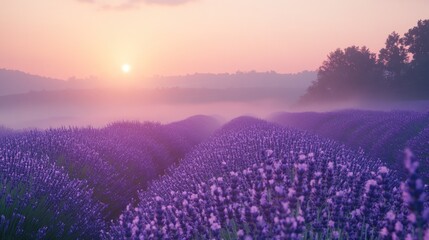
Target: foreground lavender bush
118,160
381,134
420,147
38,200
301,187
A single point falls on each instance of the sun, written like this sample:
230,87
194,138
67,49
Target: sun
126,68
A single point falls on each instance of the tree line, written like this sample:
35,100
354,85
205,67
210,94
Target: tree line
399,71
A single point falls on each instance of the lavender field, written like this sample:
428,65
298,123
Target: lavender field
335,175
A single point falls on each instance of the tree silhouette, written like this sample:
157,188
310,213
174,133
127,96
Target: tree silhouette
394,58
349,73
356,72
417,41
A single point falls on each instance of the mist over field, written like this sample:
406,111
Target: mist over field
29,101
97,115
56,113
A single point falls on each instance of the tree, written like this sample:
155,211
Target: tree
394,58
349,73
417,41
356,73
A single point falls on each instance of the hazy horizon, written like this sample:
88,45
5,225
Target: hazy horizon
73,77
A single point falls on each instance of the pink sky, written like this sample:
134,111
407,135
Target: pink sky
94,37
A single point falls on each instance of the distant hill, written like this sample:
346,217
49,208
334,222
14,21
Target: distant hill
16,82
300,81
13,82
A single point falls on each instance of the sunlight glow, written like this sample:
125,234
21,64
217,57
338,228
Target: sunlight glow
126,68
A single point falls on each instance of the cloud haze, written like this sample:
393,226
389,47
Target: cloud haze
132,4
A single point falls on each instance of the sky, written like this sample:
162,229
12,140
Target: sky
83,38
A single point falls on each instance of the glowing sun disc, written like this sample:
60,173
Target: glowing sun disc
126,68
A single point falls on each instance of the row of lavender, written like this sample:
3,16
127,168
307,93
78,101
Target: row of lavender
380,134
300,187
5,131
67,183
